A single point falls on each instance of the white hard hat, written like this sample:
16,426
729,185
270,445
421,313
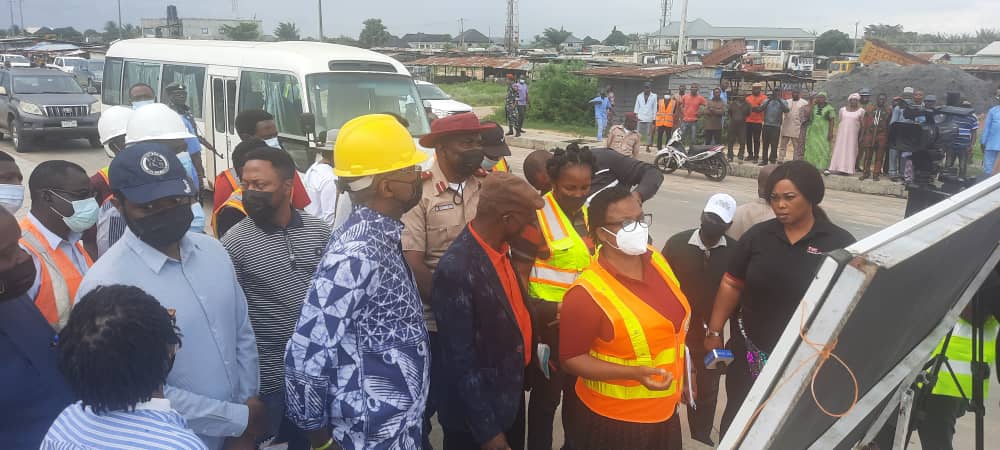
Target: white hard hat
155,122
113,123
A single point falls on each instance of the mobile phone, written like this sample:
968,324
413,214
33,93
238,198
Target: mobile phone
718,358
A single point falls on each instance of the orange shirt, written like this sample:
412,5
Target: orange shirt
505,271
755,101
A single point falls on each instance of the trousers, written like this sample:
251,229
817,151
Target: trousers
771,136
602,123
713,137
646,131
867,154
783,153
433,395
737,135
701,420
660,131
753,139
989,159
546,394
521,111
689,132
893,162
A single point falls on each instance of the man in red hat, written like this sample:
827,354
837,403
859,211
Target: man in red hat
624,138
448,202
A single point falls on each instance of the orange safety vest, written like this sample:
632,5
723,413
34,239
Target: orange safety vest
501,166
642,337
60,277
235,201
665,113
232,178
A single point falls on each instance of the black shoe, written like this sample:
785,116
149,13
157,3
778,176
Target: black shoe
521,131
762,163
518,134
510,133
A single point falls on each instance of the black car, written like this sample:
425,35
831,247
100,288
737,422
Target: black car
39,103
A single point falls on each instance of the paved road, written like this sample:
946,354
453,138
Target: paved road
677,207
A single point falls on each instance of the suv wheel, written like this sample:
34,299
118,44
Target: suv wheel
20,145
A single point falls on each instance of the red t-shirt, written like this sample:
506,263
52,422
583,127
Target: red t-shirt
582,320
300,198
691,105
511,287
755,101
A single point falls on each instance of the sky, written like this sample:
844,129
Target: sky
583,17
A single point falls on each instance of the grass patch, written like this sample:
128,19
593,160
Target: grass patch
536,124
477,93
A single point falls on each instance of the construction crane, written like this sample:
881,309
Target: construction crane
511,34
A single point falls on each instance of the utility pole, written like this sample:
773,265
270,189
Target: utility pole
320,2
12,23
120,19
20,8
461,33
856,36
665,8
682,39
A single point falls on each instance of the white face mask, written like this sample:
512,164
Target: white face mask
273,143
141,103
11,197
489,164
633,242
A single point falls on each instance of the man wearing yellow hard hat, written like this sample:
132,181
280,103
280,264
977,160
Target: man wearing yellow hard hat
363,314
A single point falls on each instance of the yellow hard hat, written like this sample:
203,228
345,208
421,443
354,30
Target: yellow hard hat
374,144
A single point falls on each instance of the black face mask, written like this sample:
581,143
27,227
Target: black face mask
418,193
163,228
469,162
714,230
17,280
258,205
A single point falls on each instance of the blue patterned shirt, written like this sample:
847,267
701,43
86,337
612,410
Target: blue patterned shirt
359,358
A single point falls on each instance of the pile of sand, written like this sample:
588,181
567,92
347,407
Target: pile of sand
890,79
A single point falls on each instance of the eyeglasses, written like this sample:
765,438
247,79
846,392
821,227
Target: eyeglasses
69,197
630,225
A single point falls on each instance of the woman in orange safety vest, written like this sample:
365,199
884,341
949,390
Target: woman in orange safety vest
665,111
626,343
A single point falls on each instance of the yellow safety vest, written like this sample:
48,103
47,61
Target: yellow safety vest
501,166
959,356
568,253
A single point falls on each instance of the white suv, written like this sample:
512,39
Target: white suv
441,104
69,64
14,60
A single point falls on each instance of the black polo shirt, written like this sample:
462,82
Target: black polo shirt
777,273
699,273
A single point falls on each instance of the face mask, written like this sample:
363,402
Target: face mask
633,242
469,161
714,230
141,103
198,218
273,143
17,280
163,228
11,197
417,190
489,164
258,205
84,213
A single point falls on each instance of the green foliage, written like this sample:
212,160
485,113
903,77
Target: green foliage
374,34
552,37
560,96
832,43
616,38
287,31
68,34
244,31
343,40
588,41
477,93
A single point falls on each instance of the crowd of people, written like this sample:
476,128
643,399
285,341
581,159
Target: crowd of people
344,308
771,129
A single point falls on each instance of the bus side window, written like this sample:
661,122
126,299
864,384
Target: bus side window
219,105
276,93
138,72
193,79
112,89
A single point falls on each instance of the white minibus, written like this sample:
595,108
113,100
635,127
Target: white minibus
333,83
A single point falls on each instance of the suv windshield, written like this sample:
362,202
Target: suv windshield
16,58
46,84
335,98
431,92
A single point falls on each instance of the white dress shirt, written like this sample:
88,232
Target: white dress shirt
645,108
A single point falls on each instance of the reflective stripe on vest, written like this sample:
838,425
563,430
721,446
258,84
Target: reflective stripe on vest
959,356
59,276
103,172
233,179
642,337
234,201
568,254
665,113
501,166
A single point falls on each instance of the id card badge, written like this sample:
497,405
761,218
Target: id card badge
544,352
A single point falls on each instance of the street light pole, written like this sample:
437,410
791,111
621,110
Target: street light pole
320,2
856,36
120,19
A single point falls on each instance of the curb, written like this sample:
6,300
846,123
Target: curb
847,183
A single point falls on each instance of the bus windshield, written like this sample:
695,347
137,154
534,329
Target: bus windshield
335,98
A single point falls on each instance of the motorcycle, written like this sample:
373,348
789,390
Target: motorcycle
707,160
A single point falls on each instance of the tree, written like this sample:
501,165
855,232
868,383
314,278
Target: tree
374,34
882,31
68,34
588,41
555,38
92,35
559,95
244,31
833,43
343,40
287,31
616,38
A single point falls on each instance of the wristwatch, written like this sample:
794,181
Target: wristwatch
710,333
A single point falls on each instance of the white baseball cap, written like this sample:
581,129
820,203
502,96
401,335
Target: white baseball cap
722,205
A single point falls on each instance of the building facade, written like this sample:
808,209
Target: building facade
703,36
424,41
194,28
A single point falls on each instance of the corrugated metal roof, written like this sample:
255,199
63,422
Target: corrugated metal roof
699,28
474,61
990,50
979,67
643,72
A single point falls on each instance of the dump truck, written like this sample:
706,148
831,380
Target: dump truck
877,51
726,54
800,64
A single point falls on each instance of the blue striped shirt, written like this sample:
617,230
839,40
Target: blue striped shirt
966,125
152,425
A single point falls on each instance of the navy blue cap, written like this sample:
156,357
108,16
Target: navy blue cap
149,171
